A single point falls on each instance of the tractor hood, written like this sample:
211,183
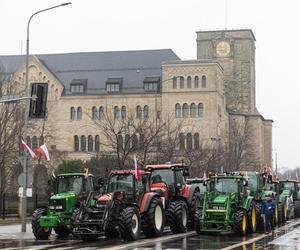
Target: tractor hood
62,196
220,199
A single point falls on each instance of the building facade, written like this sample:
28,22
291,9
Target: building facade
76,89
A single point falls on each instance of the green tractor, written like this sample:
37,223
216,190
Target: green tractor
70,190
262,185
290,192
227,206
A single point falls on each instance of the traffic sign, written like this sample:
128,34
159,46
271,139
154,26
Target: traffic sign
21,179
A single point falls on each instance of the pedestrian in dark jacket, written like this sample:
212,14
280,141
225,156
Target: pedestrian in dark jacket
267,213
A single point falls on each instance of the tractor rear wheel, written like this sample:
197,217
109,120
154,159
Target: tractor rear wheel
154,219
297,208
40,233
195,203
198,215
130,224
252,218
260,222
62,232
178,216
240,222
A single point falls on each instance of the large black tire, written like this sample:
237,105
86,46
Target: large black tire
195,203
260,221
240,222
297,208
130,224
154,219
74,217
177,216
252,218
197,219
111,232
62,232
40,233
282,211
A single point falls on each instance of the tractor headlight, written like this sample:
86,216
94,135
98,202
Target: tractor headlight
52,207
59,207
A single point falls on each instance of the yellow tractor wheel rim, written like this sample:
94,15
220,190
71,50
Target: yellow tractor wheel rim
284,211
276,213
244,223
253,218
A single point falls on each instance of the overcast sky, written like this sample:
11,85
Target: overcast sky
95,25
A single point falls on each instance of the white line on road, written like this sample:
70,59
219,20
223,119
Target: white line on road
244,243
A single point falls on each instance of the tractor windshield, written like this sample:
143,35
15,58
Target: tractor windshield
288,185
226,185
162,175
118,182
269,187
70,184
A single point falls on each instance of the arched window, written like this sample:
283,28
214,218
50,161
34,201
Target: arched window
181,82
196,82
193,110
189,142
94,113
138,112
34,142
185,110
79,113
123,112
41,140
177,110
181,141
90,143
174,82
73,113
76,143
127,142
196,141
120,142
101,113
116,112
189,82
200,110
83,143
28,141
97,143
203,81
134,141
158,115
146,112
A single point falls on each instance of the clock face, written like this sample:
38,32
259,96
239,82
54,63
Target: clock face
223,49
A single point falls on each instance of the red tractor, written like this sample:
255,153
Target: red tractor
127,207
181,200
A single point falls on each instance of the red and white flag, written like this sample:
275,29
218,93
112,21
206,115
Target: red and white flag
137,171
25,146
43,151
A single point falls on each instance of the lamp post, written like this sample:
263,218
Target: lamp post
24,197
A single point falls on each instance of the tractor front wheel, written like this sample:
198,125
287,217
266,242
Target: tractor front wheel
130,224
297,208
111,232
240,222
40,233
252,218
154,219
62,232
282,212
195,203
178,216
74,217
198,215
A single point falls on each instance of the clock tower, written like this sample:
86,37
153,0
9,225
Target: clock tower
235,51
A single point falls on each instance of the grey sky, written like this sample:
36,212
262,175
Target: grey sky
95,25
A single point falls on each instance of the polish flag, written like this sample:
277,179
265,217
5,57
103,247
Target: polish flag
137,171
43,151
25,146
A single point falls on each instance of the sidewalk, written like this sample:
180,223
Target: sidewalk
12,220
13,231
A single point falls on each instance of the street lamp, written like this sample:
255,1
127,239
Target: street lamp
24,198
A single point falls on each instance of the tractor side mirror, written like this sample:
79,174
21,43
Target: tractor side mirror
186,172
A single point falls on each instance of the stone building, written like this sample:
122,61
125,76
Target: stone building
74,89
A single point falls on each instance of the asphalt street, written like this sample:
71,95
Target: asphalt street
286,237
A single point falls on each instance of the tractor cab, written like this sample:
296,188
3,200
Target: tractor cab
289,187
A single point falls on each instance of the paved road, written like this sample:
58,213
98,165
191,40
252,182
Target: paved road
286,237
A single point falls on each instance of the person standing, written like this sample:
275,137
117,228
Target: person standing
267,213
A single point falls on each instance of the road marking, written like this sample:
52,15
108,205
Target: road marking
244,243
149,241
